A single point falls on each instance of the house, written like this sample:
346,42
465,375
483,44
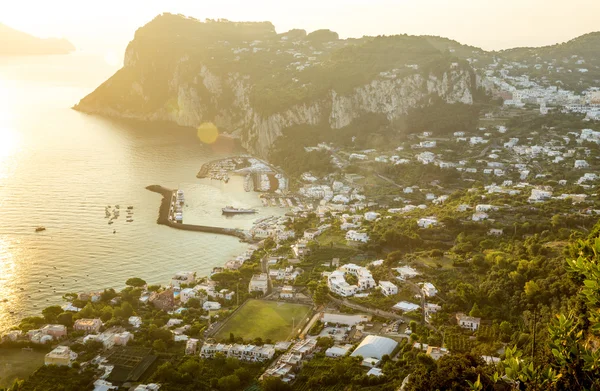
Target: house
406,306
406,272
88,325
375,372
259,283
287,292
538,195
61,355
225,294
349,320
429,290
241,352
495,232
430,309
311,234
300,249
436,352
338,351
468,322
55,330
427,222
191,346
355,236
135,321
479,216
147,387
371,216
186,294
12,335
388,288
338,285
182,278
581,164
211,306
122,339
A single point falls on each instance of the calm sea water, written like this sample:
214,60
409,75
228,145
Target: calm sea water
60,168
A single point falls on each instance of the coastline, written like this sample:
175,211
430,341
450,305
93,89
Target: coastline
163,219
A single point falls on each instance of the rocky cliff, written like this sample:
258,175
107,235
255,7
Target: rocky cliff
188,86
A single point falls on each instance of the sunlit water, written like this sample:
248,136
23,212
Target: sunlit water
60,168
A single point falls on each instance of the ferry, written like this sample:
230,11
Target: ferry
232,210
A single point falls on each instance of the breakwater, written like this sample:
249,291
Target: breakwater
163,218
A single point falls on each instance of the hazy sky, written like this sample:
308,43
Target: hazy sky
107,25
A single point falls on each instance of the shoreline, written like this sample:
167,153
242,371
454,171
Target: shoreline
163,219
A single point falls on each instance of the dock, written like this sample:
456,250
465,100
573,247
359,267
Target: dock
163,218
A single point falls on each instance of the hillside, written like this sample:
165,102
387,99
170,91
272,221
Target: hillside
17,43
255,83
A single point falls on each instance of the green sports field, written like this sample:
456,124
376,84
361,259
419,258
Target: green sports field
265,319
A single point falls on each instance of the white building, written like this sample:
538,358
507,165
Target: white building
429,290
336,283
356,236
373,348
211,306
241,352
388,288
259,282
135,321
468,322
427,222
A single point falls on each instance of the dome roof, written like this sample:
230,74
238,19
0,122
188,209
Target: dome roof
375,346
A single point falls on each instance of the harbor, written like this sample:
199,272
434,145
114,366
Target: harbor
168,215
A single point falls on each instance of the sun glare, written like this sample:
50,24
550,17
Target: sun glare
208,133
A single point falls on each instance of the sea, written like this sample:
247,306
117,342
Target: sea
60,169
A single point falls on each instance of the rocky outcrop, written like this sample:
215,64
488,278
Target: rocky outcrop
182,88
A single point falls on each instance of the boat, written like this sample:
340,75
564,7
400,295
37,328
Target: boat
110,222
130,207
233,210
129,220
40,229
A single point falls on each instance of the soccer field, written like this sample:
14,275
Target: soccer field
265,319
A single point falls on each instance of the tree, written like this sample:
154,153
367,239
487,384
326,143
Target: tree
66,319
135,282
193,303
475,311
321,292
275,384
229,383
325,342
159,345
51,313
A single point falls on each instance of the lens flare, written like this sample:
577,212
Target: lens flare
208,133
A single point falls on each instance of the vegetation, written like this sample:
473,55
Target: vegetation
265,320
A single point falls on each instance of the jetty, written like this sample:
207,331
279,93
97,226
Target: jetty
163,218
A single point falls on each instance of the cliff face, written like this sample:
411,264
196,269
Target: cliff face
192,92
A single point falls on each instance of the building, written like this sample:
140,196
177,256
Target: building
55,330
135,321
338,351
373,348
406,272
211,306
122,339
468,322
364,276
429,290
287,292
91,326
147,387
337,284
259,283
61,355
356,236
241,352
348,320
388,288
427,222
191,346
436,352
406,306
186,294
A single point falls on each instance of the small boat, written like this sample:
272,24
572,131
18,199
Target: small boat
110,222
40,229
114,231
233,210
129,220
130,207
117,206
